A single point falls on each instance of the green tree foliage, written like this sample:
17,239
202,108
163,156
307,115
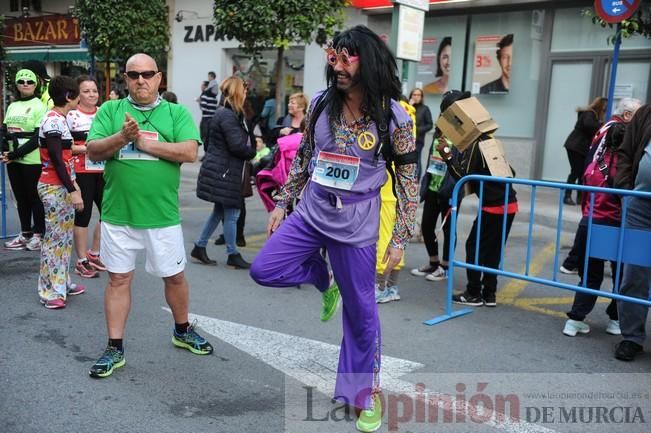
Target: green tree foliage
260,24
117,29
638,24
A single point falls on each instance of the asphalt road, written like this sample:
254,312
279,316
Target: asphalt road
254,380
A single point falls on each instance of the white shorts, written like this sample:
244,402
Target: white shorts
164,250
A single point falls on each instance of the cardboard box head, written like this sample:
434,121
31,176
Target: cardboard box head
464,121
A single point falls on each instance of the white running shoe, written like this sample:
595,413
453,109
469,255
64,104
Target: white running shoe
567,271
423,270
613,328
439,274
389,294
17,243
34,244
572,327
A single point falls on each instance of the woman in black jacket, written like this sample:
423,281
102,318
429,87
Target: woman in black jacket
589,120
423,122
221,175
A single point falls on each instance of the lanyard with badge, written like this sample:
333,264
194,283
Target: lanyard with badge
436,165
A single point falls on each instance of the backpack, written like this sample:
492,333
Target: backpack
600,172
384,146
270,179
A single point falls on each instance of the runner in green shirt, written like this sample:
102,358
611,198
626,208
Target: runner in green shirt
143,140
21,154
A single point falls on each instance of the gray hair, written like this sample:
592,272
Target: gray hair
627,104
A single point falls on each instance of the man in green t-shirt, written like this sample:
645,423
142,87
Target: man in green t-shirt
143,140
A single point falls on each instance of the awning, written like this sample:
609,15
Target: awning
46,54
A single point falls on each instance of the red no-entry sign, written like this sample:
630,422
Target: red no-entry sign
616,11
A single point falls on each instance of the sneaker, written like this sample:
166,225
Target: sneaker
370,419
85,270
192,341
489,300
34,244
76,289
466,298
111,358
572,327
17,243
439,274
331,299
95,261
55,304
389,294
613,328
627,350
424,270
568,271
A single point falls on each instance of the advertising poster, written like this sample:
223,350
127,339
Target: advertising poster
492,64
410,33
435,65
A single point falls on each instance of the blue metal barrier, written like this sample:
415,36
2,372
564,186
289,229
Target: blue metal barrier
618,244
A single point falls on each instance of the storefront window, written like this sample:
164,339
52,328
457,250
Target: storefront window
514,108
574,32
260,72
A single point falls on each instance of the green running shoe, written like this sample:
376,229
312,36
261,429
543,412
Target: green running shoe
192,341
331,299
370,420
111,358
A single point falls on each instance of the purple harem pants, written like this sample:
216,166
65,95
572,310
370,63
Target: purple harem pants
290,257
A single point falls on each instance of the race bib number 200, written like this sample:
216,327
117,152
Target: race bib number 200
131,151
336,170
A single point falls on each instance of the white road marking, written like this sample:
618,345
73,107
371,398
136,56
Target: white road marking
314,363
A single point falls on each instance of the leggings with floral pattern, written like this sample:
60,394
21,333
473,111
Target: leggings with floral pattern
56,247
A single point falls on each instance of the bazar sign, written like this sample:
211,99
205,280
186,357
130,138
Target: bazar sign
45,30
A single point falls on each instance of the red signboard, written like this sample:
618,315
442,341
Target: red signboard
45,30
372,4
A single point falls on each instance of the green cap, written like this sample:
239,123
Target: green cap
26,74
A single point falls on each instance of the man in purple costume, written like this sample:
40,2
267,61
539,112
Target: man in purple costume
339,169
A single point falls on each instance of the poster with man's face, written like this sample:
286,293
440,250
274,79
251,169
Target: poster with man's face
492,64
435,65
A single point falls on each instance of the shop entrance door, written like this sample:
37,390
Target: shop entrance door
570,88
574,83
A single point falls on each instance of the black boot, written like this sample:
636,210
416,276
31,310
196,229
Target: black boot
568,198
220,240
240,242
236,261
199,253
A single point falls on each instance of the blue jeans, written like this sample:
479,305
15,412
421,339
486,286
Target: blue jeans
229,216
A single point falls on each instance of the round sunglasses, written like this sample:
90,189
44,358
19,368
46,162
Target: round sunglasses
26,82
332,56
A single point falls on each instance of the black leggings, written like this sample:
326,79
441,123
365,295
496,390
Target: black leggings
577,164
92,191
490,252
24,181
433,206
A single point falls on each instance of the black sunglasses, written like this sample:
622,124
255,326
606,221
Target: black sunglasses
134,75
28,82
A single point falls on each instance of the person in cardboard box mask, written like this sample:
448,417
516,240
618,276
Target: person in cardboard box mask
481,287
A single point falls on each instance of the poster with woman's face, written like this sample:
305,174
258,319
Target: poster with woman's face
435,65
492,64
